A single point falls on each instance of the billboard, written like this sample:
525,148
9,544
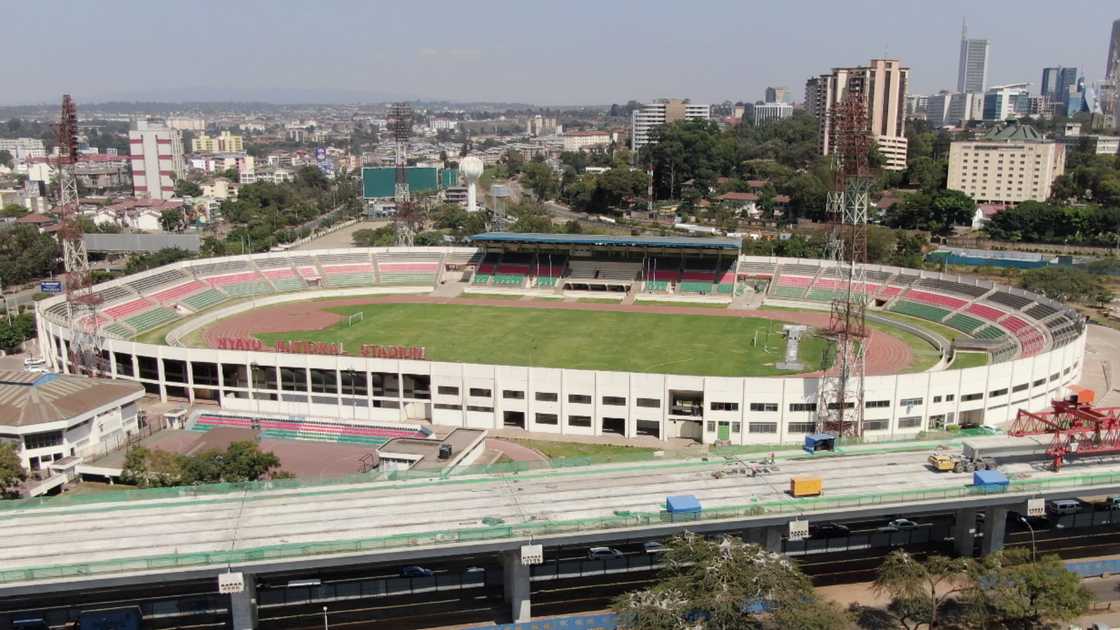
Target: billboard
53,287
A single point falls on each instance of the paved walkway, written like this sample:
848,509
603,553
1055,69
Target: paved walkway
1102,348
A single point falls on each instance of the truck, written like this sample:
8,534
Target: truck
949,462
805,486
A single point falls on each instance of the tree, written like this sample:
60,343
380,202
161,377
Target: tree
187,188
6,158
11,471
383,236
936,212
726,584
142,262
1067,284
241,461
1010,589
918,590
171,220
13,210
541,180
25,254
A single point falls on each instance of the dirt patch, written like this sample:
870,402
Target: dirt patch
886,354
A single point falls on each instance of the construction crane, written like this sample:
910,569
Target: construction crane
400,126
84,354
1077,428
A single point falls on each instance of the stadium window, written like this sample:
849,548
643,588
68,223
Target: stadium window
910,402
847,405
725,406
417,386
513,394
803,406
149,368
293,379
910,422
1054,376
479,392
547,418
579,421
1066,371
447,390
264,377
950,397
997,392
45,439
736,427
614,401
1039,383
972,397
936,399
447,407
876,425
323,381
547,397
386,384
877,404
764,407
579,398
204,373
762,427
353,383
801,427
648,403
480,409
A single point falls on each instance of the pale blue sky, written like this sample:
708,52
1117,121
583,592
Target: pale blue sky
568,52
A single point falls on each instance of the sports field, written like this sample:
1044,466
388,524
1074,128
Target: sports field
575,339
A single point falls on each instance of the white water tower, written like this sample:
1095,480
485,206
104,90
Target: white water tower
471,168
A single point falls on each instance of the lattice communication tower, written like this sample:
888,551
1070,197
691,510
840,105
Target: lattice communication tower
400,126
840,402
85,354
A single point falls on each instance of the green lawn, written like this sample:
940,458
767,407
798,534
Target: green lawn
591,340
949,333
964,360
598,452
600,300
716,305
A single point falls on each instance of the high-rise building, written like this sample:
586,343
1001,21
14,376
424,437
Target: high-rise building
157,158
949,109
776,94
665,111
1006,101
816,90
882,85
1113,52
765,112
972,73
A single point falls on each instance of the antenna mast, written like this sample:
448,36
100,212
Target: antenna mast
400,126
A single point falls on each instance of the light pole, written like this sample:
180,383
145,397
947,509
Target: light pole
1034,547
325,626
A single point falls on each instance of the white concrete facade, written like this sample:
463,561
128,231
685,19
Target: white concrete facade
157,159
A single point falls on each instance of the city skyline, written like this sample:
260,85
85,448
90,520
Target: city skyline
506,52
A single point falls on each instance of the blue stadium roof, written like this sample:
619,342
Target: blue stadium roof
602,240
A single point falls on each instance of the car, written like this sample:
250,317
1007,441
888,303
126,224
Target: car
414,571
828,530
1062,507
652,546
31,362
899,525
603,553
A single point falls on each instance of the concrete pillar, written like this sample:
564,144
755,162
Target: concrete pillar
243,605
995,526
964,532
773,540
515,582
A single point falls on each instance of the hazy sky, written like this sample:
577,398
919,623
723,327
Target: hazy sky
566,52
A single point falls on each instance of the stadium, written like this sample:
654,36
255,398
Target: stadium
666,337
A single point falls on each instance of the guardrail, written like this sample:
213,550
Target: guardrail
538,529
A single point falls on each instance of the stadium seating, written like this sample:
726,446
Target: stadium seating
700,287
989,332
656,286
220,268
309,430
790,286
408,268
117,330
151,319
482,279
964,323
175,294
948,286
985,312
355,274
113,294
122,311
204,300
1016,302
284,279
756,269
1040,311
917,309
944,301
591,270
144,286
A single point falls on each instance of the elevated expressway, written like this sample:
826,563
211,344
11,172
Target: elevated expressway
168,535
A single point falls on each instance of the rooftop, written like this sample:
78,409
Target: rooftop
602,240
1014,133
27,398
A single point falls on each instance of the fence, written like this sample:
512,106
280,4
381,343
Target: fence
537,528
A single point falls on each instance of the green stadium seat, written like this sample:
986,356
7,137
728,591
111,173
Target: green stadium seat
693,286
204,300
288,284
481,279
725,289
990,332
788,292
657,286
822,295
407,279
964,323
117,330
151,319
341,280
546,282
923,311
246,289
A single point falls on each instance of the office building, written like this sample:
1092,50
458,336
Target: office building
765,112
1056,82
1074,140
1113,63
225,142
972,72
882,86
1004,102
663,112
1009,165
581,140
776,94
22,149
947,109
156,151
816,91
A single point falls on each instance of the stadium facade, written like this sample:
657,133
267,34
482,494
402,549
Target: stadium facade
1037,348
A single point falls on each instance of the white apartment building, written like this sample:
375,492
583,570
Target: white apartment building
157,159
647,117
23,148
765,112
581,140
1008,166
883,86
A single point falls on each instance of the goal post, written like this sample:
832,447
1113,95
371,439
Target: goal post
355,317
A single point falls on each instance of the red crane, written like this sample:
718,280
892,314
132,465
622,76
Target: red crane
1078,429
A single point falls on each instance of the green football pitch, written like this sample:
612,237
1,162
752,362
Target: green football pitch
576,339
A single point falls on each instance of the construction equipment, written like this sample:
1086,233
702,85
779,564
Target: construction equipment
1076,427
947,462
805,486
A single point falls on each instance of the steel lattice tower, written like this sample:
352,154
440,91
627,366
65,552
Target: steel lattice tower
840,402
400,126
81,301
